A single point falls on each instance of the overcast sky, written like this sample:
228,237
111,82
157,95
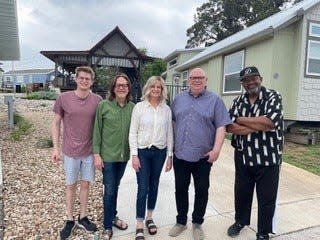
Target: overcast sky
158,25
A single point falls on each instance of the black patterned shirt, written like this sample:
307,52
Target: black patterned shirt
260,147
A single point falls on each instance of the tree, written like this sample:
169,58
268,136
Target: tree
218,19
104,77
155,67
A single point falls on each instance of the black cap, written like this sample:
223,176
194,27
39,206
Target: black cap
249,71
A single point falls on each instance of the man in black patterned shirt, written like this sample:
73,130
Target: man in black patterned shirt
258,142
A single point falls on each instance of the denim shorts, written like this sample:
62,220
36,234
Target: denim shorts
78,168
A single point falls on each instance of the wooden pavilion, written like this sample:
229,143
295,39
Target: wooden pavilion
115,49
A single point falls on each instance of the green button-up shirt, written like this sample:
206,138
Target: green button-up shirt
111,131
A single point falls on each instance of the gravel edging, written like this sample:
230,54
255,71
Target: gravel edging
33,187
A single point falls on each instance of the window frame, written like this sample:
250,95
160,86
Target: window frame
185,81
171,65
310,28
311,38
242,52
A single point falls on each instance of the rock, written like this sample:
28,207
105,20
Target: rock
34,187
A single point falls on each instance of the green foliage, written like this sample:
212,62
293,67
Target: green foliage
153,68
49,95
104,77
44,143
218,19
22,127
17,118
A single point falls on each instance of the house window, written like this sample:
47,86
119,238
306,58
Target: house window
173,62
313,50
233,64
314,30
185,78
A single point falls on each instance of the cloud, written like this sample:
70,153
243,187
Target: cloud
158,25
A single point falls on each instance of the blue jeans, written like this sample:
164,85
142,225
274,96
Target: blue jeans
112,174
151,161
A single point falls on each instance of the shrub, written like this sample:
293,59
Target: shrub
17,118
49,95
22,127
44,143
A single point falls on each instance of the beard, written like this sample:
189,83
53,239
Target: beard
254,91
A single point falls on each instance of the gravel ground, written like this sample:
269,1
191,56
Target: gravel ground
33,187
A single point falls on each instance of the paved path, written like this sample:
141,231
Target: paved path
298,204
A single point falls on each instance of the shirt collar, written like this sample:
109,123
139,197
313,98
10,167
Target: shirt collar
161,104
200,94
118,105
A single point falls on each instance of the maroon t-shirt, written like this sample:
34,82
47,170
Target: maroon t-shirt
78,116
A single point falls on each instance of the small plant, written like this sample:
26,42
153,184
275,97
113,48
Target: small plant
44,143
49,95
22,127
17,118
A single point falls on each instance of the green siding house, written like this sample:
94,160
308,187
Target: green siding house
175,80
286,49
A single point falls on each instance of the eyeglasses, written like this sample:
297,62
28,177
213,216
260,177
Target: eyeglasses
197,78
124,86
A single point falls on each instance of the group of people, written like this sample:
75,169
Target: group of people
106,134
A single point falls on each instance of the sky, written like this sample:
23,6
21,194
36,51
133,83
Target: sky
52,25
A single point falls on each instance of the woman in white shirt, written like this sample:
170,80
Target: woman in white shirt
151,143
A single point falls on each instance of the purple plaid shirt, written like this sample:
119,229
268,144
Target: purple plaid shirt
196,120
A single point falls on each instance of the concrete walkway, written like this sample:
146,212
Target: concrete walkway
298,204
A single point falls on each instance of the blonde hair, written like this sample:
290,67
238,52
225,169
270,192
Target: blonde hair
147,87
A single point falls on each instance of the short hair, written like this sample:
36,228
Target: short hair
85,69
149,83
112,95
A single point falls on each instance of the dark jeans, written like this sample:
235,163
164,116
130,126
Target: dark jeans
112,174
151,161
200,172
266,180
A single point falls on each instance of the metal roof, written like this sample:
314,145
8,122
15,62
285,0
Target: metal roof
255,32
178,51
29,71
9,36
115,49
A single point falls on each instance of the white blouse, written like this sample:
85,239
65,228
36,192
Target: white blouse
151,127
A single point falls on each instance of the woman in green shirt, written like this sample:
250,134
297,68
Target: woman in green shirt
111,146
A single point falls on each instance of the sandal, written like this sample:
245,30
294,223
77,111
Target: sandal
139,234
152,228
107,234
120,224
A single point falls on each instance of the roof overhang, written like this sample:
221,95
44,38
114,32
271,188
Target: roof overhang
176,52
267,33
105,53
9,35
259,31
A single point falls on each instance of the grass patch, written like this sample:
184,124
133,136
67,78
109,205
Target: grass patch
228,136
305,157
22,127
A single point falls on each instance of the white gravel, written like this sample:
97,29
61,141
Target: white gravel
33,187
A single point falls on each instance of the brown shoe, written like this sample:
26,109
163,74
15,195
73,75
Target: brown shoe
198,233
177,229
